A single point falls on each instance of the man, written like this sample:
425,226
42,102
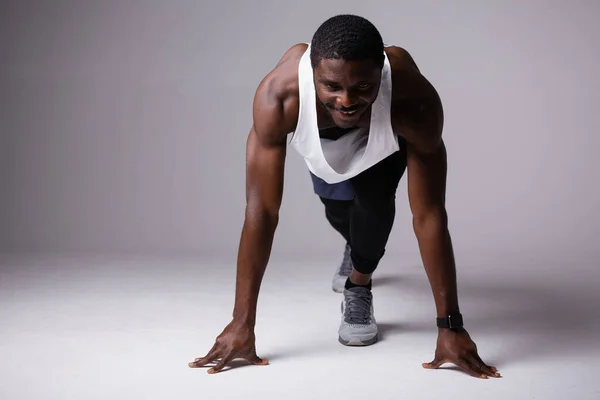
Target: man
360,113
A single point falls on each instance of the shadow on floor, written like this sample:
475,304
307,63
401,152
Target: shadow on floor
533,320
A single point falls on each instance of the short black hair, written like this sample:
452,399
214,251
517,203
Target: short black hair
348,37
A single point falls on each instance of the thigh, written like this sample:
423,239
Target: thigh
336,208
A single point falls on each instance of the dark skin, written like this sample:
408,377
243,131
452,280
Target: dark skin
417,116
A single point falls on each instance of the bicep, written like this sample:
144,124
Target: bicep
419,110
266,147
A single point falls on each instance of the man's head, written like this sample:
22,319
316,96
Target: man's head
347,58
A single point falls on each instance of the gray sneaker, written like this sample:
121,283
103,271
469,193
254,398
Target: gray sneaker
342,273
358,327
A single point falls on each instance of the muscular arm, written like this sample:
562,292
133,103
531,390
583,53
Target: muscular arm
275,112
422,127
426,191
265,159
264,188
422,123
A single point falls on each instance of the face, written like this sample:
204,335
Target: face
347,88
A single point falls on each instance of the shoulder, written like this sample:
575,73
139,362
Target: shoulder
276,100
408,83
417,112
400,59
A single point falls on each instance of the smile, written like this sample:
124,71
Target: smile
347,113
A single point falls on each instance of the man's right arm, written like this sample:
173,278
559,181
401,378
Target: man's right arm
275,112
265,164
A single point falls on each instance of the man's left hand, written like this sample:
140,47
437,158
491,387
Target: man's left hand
457,347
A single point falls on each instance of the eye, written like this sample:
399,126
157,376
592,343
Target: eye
364,86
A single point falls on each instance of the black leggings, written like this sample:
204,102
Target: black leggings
366,221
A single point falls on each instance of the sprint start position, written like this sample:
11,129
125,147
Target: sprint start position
360,113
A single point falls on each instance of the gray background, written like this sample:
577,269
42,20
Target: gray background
124,122
123,127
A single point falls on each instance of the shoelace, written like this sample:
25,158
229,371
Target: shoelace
358,306
346,267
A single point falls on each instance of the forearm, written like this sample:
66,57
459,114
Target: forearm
253,255
435,246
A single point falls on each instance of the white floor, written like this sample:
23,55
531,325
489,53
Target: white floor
111,328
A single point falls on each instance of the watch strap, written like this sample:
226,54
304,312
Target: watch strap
452,321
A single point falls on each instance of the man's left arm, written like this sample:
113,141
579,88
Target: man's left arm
421,119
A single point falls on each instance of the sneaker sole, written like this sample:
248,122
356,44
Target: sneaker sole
339,287
338,290
358,342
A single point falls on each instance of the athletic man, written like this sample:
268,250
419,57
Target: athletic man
360,113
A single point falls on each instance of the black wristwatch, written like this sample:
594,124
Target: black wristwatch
452,321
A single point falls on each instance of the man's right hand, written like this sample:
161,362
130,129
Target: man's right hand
236,341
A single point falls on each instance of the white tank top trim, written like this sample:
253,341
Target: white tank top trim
338,160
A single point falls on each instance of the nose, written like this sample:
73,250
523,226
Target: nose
346,100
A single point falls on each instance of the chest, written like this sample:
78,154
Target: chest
333,133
